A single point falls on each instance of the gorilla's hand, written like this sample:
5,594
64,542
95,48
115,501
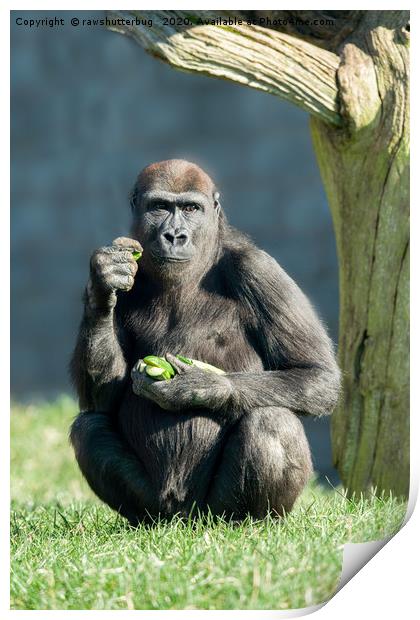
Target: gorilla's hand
190,388
112,268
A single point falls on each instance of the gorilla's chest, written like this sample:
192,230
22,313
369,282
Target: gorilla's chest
210,330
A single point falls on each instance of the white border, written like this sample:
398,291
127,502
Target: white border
387,585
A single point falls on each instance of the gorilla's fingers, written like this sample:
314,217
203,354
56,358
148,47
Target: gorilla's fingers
179,366
122,256
142,384
127,243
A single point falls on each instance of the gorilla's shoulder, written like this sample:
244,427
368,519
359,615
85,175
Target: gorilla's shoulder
249,272
242,258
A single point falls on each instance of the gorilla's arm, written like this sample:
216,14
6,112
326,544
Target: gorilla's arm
309,391
98,366
301,372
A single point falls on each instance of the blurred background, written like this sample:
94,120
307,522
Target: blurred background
89,110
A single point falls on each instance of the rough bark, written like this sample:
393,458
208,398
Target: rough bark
357,96
365,171
260,58
323,28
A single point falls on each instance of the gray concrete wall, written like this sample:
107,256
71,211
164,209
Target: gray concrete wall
89,109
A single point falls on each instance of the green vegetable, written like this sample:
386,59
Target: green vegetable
136,255
159,368
159,362
141,366
186,360
201,365
208,367
155,367
154,372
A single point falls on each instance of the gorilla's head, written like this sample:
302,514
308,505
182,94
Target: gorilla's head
176,217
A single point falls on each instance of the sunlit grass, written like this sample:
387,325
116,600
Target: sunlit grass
71,552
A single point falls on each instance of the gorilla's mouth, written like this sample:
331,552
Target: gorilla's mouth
170,258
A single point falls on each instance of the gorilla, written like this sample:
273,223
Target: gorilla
231,444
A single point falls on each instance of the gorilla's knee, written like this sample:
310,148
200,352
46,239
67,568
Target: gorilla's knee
87,434
77,431
277,456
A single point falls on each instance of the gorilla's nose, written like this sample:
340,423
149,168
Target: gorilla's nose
176,237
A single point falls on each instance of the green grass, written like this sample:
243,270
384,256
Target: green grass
71,552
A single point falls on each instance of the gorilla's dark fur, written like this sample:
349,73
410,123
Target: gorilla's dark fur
232,443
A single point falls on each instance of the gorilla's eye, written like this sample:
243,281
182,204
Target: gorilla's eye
190,208
157,206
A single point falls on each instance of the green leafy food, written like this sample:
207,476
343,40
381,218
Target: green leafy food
141,366
159,368
154,372
201,365
159,362
208,367
186,360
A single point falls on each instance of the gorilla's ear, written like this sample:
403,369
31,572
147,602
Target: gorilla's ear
133,197
216,198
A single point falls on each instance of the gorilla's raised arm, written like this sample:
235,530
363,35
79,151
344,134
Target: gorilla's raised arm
98,366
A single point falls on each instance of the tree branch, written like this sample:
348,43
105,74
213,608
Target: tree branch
326,29
260,58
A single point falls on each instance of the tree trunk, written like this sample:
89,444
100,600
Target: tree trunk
366,176
353,81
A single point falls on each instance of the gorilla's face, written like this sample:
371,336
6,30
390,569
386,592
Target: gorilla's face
175,217
173,227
